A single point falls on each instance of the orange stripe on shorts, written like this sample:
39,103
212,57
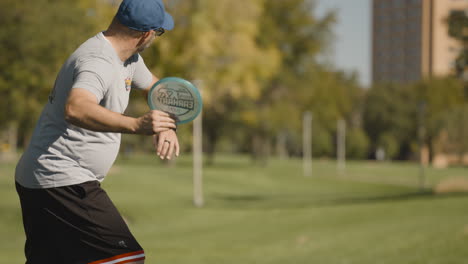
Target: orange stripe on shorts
125,258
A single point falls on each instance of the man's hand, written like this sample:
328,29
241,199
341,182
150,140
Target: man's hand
155,122
166,144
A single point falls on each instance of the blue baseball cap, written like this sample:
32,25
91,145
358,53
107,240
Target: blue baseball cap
144,15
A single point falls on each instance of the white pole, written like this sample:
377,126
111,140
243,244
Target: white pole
341,146
421,135
198,157
307,143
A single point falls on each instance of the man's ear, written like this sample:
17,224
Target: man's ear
147,34
144,37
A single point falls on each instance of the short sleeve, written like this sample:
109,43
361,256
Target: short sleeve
95,75
142,77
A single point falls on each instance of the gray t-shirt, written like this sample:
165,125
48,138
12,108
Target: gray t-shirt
60,153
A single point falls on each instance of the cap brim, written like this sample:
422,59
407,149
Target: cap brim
168,22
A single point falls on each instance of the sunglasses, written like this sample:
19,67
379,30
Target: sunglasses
159,31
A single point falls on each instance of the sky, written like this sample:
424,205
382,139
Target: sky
351,50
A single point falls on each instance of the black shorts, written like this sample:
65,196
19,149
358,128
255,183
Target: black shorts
75,224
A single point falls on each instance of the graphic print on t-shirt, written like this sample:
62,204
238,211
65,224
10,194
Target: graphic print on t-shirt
128,84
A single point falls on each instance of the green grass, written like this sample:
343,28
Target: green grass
374,214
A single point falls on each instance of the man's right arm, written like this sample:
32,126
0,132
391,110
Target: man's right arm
82,110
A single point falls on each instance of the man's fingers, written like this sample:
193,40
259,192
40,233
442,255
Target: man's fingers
177,148
160,145
163,127
157,125
156,144
165,119
155,141
160,113
170,151
165,148
160,129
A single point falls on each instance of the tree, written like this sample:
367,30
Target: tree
452,127
299,37
392,112
457,23
214,41
390,117
37,36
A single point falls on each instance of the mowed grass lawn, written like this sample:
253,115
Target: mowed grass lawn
374,214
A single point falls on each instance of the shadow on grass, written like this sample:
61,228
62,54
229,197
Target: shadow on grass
257,201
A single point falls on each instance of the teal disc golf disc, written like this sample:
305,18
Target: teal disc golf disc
177,97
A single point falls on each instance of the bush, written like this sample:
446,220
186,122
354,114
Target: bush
322,144
357,144
390,145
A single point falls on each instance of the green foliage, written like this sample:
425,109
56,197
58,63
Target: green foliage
452,128
357,144
393,112
322,141
37,37
214,41
223,55
457,23
439,94
302,83
259,71
390,144
390,110
299,37
257,61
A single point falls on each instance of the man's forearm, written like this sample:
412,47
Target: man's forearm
97,118
82,110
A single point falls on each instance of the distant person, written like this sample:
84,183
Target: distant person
380,154
68,218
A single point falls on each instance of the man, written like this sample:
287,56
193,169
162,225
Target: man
67,217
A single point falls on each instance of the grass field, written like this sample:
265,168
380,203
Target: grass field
374,214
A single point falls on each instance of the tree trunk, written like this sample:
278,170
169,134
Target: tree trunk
8,142
260,149
281,146
212,137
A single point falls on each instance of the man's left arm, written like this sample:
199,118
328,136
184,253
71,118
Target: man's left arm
166,143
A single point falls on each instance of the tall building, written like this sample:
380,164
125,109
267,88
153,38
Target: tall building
410,39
